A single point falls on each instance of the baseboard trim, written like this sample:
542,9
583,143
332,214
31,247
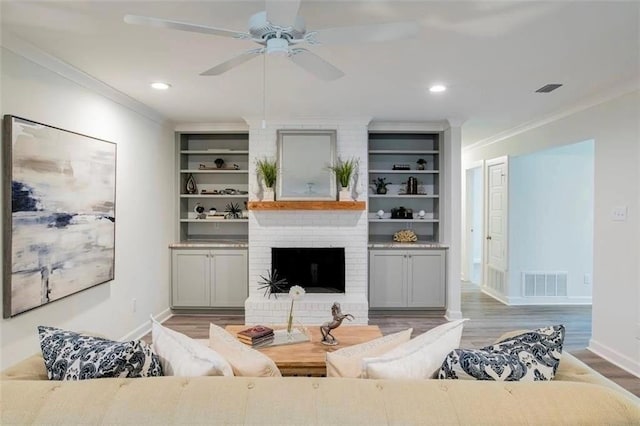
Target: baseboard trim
499,297
453,315
615,357
140,331
523,301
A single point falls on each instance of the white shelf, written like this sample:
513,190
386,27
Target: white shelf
214,196
402,152
213,220
376,220
415,172
215,151
403,196
223,171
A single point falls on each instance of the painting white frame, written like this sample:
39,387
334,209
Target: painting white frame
305,158
59,213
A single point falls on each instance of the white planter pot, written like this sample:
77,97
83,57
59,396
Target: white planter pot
345,195
268,195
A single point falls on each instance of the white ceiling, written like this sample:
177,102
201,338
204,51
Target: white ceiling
492,56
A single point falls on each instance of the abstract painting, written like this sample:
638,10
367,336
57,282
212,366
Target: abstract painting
59,213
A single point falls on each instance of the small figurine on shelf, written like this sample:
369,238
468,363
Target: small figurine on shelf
421,163
338,317
199,211
190,186
381,185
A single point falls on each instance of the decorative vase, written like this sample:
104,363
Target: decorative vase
345,194
190,186
268,194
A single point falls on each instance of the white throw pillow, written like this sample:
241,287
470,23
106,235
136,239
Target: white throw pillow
244,360
182,356
347,362
419,358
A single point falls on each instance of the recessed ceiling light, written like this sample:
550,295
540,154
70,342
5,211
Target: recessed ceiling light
160,86
436,88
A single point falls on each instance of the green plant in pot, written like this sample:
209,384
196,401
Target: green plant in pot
268,171
344,171
381,185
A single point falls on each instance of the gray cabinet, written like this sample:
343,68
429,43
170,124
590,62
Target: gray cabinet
203,278
407,278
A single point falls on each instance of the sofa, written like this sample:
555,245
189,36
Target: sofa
577,396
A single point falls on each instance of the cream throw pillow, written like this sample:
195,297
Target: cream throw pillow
419,358
347,362
244,360
182,356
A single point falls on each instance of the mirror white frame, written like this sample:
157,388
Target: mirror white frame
304,161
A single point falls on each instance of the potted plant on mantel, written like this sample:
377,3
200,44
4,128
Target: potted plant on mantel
268,172
344,170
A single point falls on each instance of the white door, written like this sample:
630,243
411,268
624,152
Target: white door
496,235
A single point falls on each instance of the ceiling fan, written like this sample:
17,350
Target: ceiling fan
279,30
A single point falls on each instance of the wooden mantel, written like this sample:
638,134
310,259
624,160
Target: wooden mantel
306,205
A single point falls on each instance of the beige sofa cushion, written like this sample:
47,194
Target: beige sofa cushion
244,360
419,358
347,362
311,401
182,356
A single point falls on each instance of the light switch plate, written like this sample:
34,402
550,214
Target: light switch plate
619,214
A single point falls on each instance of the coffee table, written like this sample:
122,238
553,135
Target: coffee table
308,358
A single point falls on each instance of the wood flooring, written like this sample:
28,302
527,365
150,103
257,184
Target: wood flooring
488,319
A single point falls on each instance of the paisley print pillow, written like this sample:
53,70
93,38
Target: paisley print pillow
530,356
73,356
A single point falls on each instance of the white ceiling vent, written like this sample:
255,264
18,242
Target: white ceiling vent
548,88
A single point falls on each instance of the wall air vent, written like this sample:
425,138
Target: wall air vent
544,284
548,88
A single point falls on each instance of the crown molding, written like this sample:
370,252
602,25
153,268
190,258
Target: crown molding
34,54
227,127
408,126
589,102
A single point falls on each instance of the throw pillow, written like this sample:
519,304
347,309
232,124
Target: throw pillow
244,360
73,356
419,358
182,356
347,362
529,356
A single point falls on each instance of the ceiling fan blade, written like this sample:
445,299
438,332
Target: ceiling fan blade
234,62
183,26
282,12
314,64
364,33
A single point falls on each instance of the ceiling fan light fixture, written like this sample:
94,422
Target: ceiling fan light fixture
159,85
437,88
278,46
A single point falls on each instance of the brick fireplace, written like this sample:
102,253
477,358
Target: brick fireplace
310,229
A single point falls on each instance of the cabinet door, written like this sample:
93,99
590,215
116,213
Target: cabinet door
229,271
190,278
426,280
387,279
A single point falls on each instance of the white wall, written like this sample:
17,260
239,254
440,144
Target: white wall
551,219
144,207
615,128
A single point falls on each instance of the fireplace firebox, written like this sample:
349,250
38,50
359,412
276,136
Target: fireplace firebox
317,270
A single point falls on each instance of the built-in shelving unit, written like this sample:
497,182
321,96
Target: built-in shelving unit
226,183
387,153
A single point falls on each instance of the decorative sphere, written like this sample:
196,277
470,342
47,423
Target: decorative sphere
380,214
421,214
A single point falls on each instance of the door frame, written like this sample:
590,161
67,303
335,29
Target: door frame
467,239
485,259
